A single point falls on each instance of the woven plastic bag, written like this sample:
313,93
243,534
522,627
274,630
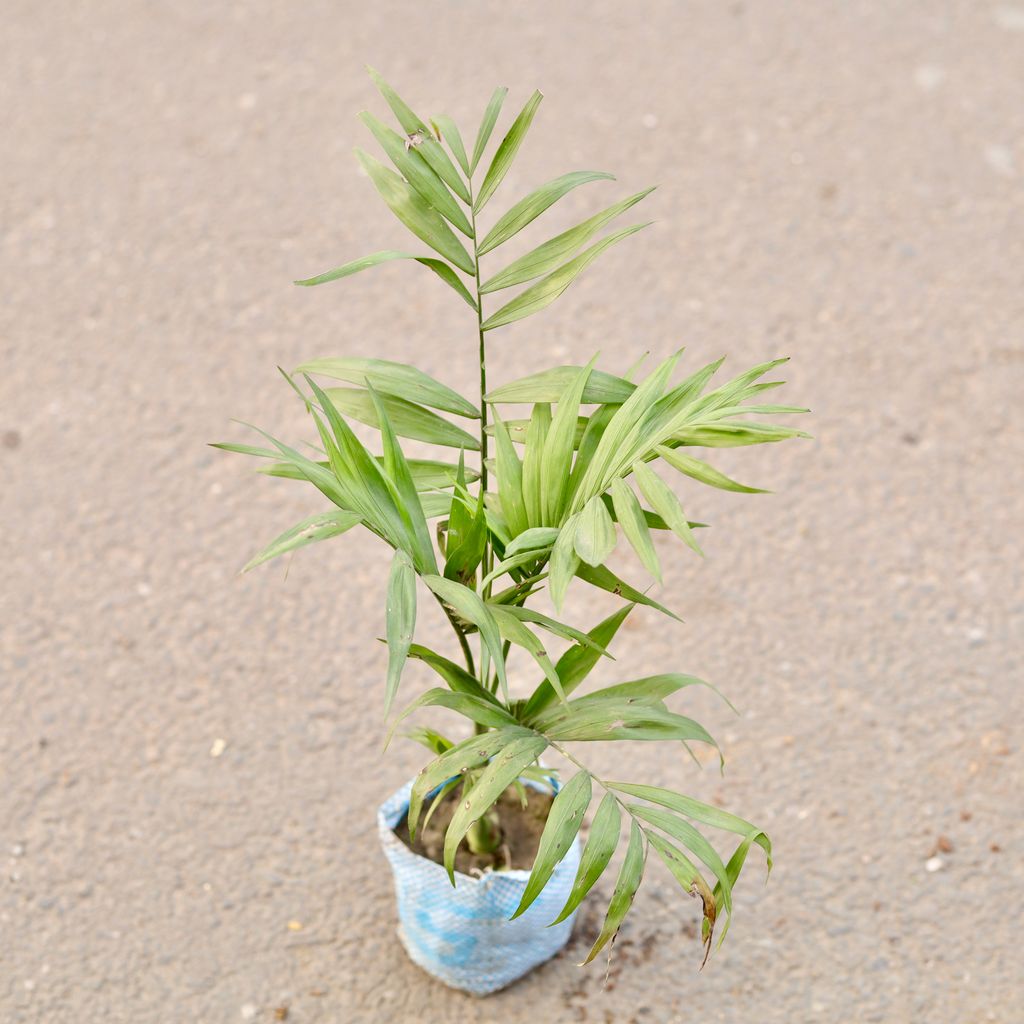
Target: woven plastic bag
463,935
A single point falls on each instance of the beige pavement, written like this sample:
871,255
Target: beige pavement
190,760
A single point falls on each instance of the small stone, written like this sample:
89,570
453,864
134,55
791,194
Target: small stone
929,77
944,844
933,864
248,1012
218,748
11,439
17,850
295,926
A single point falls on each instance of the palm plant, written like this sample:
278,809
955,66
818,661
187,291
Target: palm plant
545,504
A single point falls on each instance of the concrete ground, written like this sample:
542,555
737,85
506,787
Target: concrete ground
191,759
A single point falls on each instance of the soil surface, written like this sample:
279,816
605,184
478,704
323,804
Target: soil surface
521,828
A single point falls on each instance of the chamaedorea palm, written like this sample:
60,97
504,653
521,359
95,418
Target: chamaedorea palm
546,509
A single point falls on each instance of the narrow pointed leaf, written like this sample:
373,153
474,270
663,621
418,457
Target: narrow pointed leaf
415,169
601,843
502,771
407,499
665,503
476,709
396,379
683,832
595,537
513,630
533,460
401,620
469,606
450,133
439,267
690,879
703,472
535,538
704,813
630,876
564,562
631,518
510,482
420,135
564,820
550,254
532,206
540,295
415,213
576,663
602,577
487,125
550,385
407,419
457,678
506,152
319,527
559,444
463,757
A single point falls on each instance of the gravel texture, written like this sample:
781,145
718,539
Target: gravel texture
191,759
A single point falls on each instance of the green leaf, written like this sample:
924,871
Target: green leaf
522,636
626,885
415,213
427,474
736,434
487,125
401,619
396,379
406,498
493,781
703,472
407,418
564,562
575,664
469,606
363,477
420,136
602,577
624,719
429,738
318,527
689,878
631,518
619,434
595,537
451,134
439,267
685,833
535,538
704,813
601,843
564,820
540,295
463,757
546,257
510,482
649,688
506,152
476,709
665,503
457,678
561,629
532,206
556,463
415,169
550,385
533,460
